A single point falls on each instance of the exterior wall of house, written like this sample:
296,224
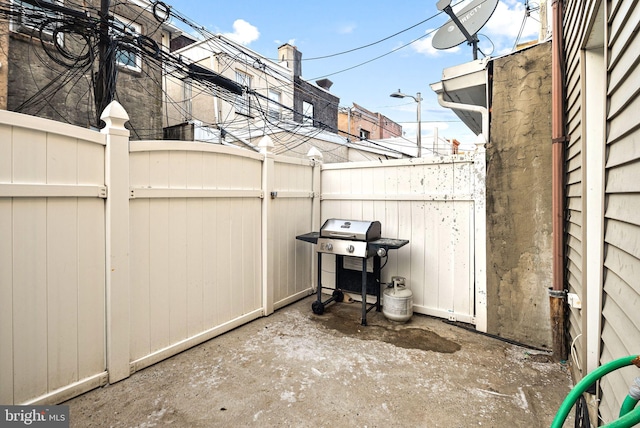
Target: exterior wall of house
39,86
518,198
325,105
204,107
621,287
377,125
219,108
388,128
602,165
574,178
30,69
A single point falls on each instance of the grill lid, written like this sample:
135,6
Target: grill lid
356,230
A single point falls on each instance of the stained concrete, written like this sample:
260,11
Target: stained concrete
298,369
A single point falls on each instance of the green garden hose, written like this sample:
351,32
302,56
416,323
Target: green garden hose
632,415
631,401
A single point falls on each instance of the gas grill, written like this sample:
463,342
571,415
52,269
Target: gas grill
359,249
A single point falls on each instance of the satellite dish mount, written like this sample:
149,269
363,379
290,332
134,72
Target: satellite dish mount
445,6
454,32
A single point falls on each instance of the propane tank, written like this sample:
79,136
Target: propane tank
398,301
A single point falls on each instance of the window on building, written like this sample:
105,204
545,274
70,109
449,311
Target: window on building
364,134
126,55
307,113
242,104
30,18
275,104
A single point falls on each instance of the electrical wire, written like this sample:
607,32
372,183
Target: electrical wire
378,57
373,43
80,62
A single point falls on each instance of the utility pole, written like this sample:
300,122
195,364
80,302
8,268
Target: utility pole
105,77
4,64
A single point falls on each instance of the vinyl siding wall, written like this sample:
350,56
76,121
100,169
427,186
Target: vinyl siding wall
621,286
618,290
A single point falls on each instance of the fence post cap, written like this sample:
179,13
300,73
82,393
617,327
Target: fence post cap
266,144
114,116
314,153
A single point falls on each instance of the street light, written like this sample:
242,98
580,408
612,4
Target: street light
417,99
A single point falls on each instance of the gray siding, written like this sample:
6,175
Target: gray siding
620,323
573,168
620,313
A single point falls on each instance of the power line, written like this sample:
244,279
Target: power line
85,27
376,58
373,43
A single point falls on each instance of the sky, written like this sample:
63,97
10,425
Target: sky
381,61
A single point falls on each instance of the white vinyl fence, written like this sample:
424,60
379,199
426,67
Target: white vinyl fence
52,259
116,254
435,203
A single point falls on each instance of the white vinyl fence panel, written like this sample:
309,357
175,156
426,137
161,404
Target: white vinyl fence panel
116,254
52,260
430,203
195,243
293,215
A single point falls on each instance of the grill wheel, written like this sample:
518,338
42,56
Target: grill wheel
317,308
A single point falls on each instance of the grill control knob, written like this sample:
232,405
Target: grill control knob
329,247
381,252
351,249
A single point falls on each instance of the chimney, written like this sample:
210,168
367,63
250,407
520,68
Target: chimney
324,83
291,57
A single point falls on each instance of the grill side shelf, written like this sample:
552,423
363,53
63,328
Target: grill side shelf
388,243
311,237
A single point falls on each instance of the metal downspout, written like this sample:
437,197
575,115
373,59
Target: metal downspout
557,293
469,107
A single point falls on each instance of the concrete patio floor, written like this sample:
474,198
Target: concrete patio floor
298,369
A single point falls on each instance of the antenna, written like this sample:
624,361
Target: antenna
464,25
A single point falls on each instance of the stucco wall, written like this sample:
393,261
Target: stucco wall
519,225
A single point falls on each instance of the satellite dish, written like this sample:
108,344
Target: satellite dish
463,25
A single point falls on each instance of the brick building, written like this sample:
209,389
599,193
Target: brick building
357,121
312,103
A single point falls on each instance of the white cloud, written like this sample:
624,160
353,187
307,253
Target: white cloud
243,32
346,28
507,19
505,24
279,42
